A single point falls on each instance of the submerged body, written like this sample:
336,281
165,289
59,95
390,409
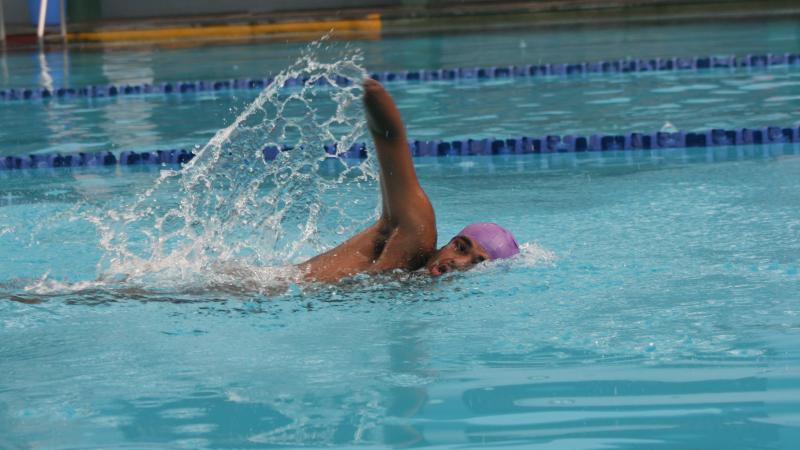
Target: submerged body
404,237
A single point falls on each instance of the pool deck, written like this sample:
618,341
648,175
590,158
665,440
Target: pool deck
376,23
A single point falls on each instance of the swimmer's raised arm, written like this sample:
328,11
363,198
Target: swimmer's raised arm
383,118
402,195
404,237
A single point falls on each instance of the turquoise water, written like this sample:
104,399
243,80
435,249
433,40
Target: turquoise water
656,307
502,108
654,304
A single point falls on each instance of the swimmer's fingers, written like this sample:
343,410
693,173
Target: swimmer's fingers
373,89
383,117
371,84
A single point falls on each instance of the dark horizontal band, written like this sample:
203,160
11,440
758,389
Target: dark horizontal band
465,147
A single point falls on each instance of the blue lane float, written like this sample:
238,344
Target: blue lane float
462,73
466,147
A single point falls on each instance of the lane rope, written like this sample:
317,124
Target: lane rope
463,73
466,147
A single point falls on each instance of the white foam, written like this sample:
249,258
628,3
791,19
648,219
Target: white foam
229,219
532,254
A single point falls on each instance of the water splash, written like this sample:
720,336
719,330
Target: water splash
228,215
532,254
229,222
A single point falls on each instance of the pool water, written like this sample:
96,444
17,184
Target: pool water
613,104
655,303
499,108
655,306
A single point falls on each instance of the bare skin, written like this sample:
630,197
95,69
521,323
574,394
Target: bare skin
460,253
404,236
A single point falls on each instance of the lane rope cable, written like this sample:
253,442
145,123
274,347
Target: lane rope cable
464,147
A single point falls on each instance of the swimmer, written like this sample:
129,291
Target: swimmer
404,237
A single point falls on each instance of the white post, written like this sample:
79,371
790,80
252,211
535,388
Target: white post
42,16
2,24
63,19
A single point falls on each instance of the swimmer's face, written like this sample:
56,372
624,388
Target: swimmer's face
460,253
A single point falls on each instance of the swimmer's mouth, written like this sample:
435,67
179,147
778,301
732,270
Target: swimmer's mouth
439,269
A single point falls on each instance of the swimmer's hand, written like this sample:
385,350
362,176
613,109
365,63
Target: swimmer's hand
404,201
383,118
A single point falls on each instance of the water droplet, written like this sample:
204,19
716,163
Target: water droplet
669,128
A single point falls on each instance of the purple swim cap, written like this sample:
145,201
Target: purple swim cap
498,241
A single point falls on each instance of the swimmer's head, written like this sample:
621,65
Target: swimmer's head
474,244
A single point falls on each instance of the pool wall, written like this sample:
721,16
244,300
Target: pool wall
160,21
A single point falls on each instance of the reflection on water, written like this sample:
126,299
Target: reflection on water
136,122
4,64
407,394
53,72
46,79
